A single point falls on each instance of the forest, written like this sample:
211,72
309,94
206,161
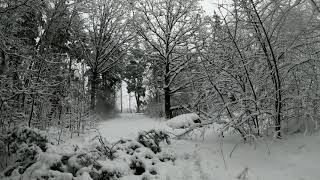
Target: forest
249,67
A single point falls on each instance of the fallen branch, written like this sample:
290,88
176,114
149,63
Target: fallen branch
243,175
193,127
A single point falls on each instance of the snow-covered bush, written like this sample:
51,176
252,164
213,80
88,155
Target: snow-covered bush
106,148
183,121
152,139
108,170
24,136
137,165
102,160
133,156
24,144
165,156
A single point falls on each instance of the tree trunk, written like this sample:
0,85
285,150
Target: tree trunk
93,90
31,111
274,68
138,102
121,97
70,74
167,95
167,103
278,106
34,96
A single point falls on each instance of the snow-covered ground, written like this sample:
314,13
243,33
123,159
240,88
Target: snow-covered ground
127,125
293,158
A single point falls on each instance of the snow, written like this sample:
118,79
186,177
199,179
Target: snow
183,121
128,125
115,166
84,176
40,169
294,157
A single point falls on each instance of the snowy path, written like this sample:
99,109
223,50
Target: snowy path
128,125
296,158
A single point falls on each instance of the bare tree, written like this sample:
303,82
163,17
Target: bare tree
168,26
107,30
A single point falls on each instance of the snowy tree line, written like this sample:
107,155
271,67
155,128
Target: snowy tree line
252,66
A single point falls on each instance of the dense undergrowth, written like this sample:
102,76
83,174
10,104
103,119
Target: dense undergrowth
37,158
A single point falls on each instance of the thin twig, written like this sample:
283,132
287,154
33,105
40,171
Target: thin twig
222,154
14,7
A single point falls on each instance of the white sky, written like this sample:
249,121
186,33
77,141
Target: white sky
208,6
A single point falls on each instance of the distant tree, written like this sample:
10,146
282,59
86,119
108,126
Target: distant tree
107,32
134,76
168,26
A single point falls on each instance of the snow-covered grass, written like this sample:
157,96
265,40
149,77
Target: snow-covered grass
292,158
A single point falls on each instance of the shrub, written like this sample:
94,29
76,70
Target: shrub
22,136
152,139
24,143
102,161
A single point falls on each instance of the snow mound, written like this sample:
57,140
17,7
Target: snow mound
183,121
